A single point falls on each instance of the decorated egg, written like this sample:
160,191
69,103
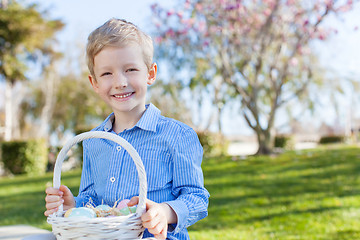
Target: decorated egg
67,213
115,212
123,204
103,207
123,207
132,209
82,212
103,210
125,211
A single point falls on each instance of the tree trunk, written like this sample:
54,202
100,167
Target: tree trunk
48,109
4,4
265,142
14,95
8,111
219,110
18,94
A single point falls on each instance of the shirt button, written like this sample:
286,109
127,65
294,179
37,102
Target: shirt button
118,148
112,179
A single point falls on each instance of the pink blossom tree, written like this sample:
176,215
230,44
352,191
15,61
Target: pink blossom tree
256,52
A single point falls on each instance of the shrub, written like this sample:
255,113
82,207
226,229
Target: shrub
285,142
331,139
213,144
25,157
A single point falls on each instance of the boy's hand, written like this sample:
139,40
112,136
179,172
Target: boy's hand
55,197
156,218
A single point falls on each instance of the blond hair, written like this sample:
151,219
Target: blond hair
119,33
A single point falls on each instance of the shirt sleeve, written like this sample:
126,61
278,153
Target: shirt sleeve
86,190
192,201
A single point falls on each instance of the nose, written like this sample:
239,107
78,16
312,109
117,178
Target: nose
120,81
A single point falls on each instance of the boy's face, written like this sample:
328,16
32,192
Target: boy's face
122,78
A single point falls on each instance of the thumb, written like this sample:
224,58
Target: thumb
133,201
65,190
149,204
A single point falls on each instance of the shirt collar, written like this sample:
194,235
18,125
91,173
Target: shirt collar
148,120
109,122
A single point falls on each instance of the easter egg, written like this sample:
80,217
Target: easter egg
103,207
125,211
103,210
82,212
123,204
115,212
123,207
67,213
132,209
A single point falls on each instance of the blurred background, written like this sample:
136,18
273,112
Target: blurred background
250,74
271,87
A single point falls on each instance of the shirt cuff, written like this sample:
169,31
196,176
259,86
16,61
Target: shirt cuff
182,213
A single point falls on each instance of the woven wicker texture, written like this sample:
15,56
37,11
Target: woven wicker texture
123,227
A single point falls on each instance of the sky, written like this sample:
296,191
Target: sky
83,16
341,53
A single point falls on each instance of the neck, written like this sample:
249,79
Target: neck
126,120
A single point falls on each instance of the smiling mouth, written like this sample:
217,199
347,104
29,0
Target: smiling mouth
120,96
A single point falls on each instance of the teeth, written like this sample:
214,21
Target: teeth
122,96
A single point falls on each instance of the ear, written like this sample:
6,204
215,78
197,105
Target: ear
152,74
94,83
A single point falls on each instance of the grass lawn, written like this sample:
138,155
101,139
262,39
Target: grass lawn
313,194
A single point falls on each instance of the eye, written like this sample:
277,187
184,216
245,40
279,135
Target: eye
105,74
131,70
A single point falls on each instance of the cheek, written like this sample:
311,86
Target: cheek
139,84
104,85
142,87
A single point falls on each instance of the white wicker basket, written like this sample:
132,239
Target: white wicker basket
123,227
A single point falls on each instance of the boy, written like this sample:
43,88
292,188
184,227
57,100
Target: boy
119,58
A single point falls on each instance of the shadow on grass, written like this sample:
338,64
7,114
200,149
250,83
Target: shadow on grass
331,183
293,212
20,180
24,208
231,212
346,234
22,198
16,209
43,179
289,186
254,194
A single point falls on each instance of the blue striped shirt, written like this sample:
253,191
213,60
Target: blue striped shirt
172,156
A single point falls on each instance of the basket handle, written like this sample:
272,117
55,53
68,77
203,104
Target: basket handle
115,138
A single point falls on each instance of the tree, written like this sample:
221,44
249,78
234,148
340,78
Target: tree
75,107
166,97
256,52
25,35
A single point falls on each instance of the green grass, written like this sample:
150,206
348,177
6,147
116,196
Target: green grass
22,198
313,194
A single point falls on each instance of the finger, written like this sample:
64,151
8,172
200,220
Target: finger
161,236
153,222
133,201
65,190
159,230
150,204
53,191
52,198
51,211
150,214
164,232
54,204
